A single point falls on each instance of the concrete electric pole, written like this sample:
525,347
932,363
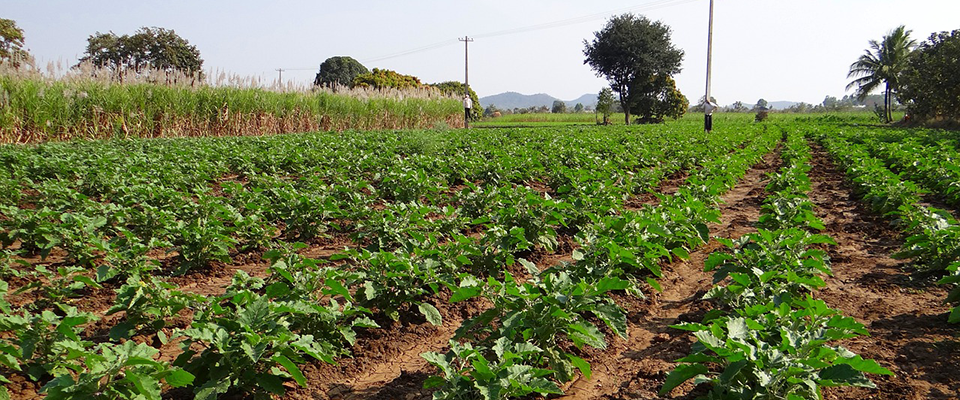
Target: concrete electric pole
467,103
708,106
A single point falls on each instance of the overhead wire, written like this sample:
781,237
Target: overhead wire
653,5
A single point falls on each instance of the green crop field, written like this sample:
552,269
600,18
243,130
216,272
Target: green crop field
484,263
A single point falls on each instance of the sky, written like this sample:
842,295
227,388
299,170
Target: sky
778,50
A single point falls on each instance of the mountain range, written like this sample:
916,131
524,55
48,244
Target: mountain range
511,100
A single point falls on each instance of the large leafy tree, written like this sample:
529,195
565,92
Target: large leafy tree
11,44
632,52
931,82
658,99
340,70
882,64
154,48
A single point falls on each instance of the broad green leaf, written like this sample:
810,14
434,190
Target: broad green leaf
869,366
681,374
843,374
179,378
464,293
614,317
431,313
681,252
434,382
339,256
654,284
586,333
545,386
292,368
531,267
147,386
338,288
87,281
581,364
737,328
212,389
271,383
731,371
609,283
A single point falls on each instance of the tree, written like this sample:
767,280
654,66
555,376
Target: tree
11,44
830,103
657,99
631,51
385,78
455,89
155,48
931,81
739,107
340,70
559,107
761,105
605,104
578,108
491,111
882,63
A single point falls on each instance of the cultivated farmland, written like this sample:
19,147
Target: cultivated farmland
776,260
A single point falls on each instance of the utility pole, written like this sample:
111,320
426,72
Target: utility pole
707,105
466,81
280,79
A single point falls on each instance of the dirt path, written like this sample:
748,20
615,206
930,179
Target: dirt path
904,312
636,368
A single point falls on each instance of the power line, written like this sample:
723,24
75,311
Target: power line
653,5
586,18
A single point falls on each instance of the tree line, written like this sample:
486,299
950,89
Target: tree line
924,77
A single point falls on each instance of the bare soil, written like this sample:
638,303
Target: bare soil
903,310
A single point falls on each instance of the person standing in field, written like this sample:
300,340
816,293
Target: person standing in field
708,108
467,105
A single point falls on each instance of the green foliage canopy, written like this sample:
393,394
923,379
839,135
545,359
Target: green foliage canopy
559,107
605,103
341,70
931,81
630,51
658,98
156,48
385,78
11,43
882,63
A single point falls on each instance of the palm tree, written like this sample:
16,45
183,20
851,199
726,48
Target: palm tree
882,63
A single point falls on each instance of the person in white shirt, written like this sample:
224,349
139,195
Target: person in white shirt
708,108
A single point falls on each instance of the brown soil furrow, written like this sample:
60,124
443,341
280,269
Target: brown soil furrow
667,186
903,311
637,367
386,362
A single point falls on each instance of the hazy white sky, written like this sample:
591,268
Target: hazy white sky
798,50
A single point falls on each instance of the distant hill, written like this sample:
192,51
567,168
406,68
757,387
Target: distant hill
511,100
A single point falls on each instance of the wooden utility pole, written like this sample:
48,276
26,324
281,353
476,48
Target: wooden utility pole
280,79
707,105
466,81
